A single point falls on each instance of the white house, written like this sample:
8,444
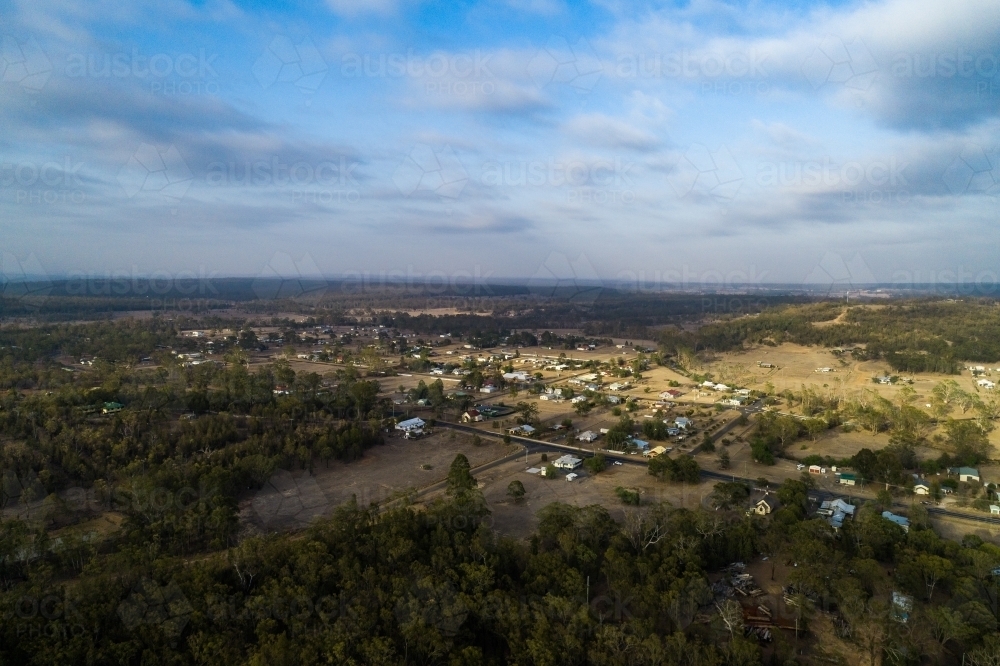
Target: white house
921,487
682,422
587,436
965,474
410,424
522,430
473,415
568,462
986,384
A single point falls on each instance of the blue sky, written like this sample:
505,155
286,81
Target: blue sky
707,142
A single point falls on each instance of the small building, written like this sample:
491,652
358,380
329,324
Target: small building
682,422
111,407
902,606
994,510
921,487
523,430
815,469
642,445
902,521
410,424
571,476
655,451
472,416
848,479
766,504
613,400
567,462
587,436
489,388
965,474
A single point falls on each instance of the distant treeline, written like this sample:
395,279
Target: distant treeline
913,336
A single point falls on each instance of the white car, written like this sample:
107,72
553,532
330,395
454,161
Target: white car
619,462
800,467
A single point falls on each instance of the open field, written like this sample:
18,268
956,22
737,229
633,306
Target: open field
293,498
796,366
519,519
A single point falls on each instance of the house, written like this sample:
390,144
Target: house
571,476
111,407
410,424
735,401
670,395
765,365
848,479
986,384
921,487
489,388
640,444
472,416
765,504
579,398
613,400
523,430
836,512
682,422
883,379
824,369
965,474
902,521
568,462
519,375
994,510
587,436
815,469
652,453
619,386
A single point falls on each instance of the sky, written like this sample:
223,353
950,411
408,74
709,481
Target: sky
705,143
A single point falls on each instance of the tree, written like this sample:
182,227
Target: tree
460,479
731,614
628,496
724,462
596,464
515,490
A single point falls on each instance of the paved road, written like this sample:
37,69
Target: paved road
535,446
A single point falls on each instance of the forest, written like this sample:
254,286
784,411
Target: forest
179,582
911,336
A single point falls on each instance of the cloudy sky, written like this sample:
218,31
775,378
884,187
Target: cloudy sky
700,141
